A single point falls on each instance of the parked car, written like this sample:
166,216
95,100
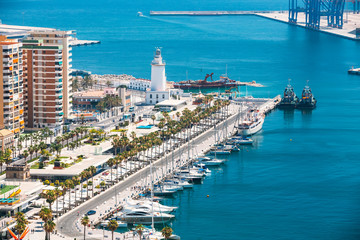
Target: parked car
91,212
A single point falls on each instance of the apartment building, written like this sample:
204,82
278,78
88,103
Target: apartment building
59,38
11,86
43,85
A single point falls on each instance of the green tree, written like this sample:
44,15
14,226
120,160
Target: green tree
49,227
167,232
140,229
112,226
21,223
85,221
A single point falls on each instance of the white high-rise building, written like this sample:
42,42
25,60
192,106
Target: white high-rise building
159,92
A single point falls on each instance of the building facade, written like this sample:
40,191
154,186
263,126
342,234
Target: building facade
139,84
60,38
43,85
11,86
6,139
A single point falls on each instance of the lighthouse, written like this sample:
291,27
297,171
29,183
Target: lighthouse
158,78
159,91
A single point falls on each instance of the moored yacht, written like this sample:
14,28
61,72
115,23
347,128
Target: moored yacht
210,161
135,216
252,124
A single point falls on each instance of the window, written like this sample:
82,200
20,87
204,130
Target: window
163,95
150,95
157,95
150,101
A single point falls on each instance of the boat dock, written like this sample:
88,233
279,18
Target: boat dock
77,42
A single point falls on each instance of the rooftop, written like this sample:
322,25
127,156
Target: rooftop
5,133
171,103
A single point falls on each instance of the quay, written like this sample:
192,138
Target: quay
105,203
203,13
349,30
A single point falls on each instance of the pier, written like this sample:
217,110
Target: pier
349,29
199,143
203,13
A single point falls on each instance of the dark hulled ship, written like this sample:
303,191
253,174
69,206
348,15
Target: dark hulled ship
289,99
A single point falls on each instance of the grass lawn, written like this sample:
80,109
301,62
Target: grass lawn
7,188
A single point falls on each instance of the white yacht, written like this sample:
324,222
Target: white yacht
136,216
147,206
178,182
252,124
210,161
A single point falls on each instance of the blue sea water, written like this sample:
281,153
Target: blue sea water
302,178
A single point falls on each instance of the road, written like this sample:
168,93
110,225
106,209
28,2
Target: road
66,223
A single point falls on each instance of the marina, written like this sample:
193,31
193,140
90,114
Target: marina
201,143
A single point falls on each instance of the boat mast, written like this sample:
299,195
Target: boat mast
152,198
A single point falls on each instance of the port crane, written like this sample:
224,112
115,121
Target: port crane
314,9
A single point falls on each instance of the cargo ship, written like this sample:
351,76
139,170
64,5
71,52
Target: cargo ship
224,81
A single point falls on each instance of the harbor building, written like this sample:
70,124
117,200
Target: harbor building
159,91
139,84
11,86
43,85
59,38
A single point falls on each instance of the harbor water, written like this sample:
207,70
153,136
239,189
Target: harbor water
301,179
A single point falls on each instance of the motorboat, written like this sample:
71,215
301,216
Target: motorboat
148,205
219,152
149,234
241,140
165,190
121,224
135,216
210,161
178,182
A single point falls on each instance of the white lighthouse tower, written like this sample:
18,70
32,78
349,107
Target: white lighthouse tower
159,91
158,78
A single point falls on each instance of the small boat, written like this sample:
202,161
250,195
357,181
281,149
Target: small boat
307,100
289,99
140,14
217,151
156,235
210,161
121,224
178,182
241,140
164,191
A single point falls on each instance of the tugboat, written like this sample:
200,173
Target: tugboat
307,100
290,99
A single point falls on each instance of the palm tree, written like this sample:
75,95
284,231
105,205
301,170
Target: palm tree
167,232
111,163
50,196
76,181
58,193
92,171
112,226
69,185
85,221
45,215
21,223
153,119
140,229
49,227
